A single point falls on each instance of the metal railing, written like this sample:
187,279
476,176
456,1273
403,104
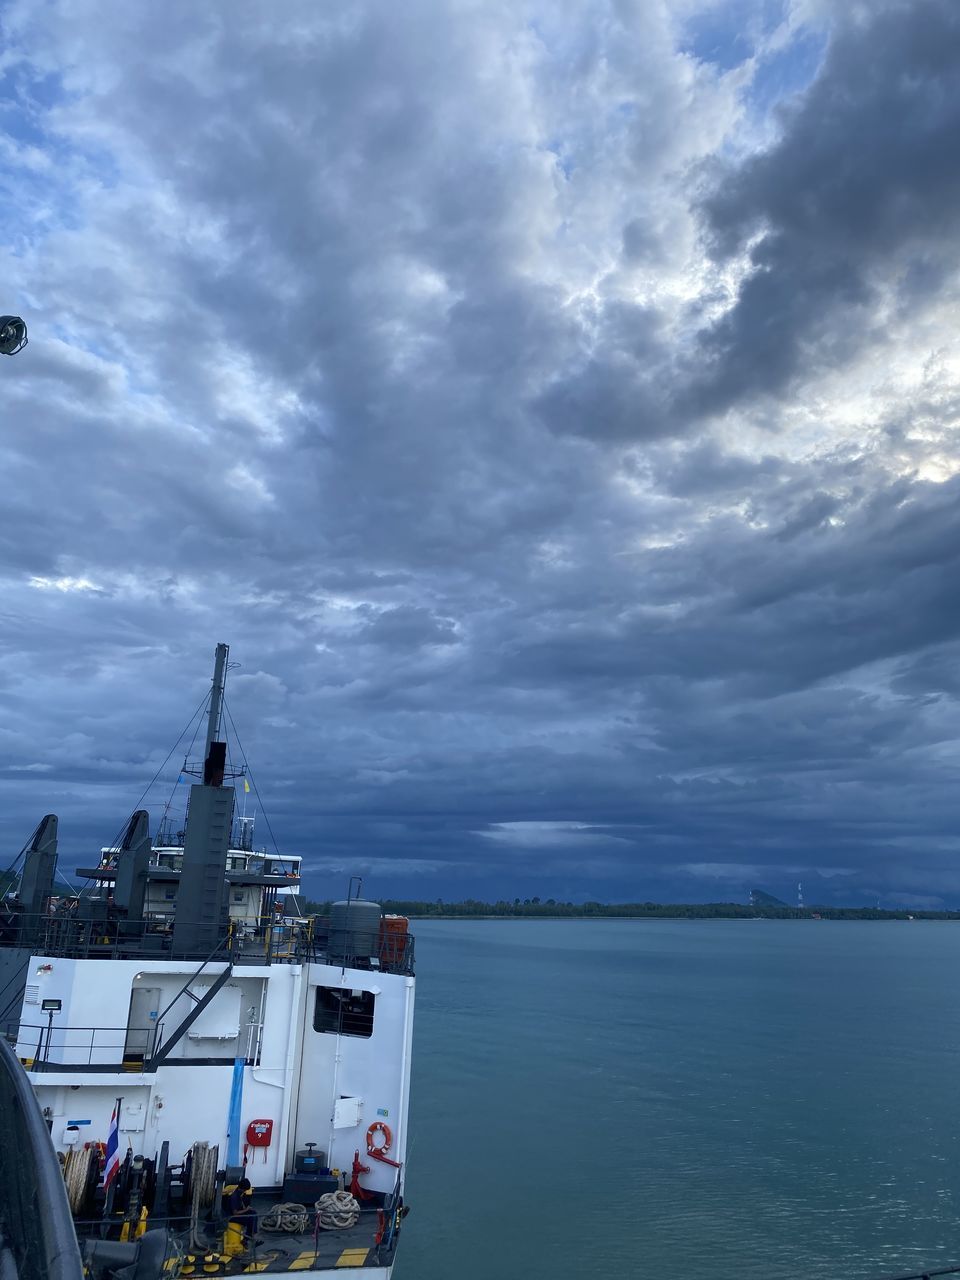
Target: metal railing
45,1045
42,1047
63,934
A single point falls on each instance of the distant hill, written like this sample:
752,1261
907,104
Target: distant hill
758,898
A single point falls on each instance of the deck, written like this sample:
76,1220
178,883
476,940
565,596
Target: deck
272,1251
292,1251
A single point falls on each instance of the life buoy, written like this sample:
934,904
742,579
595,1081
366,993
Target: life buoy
372,1149
380,1152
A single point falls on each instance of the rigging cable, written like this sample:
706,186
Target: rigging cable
13,864
18,973
64,881
17,995
256,790
173,790
115,845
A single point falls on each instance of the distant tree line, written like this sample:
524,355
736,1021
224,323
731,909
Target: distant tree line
550,908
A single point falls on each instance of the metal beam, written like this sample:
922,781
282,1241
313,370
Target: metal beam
164,1050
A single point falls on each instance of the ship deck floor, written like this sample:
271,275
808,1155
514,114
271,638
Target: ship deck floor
306,1251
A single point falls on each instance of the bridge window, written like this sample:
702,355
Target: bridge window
340,1011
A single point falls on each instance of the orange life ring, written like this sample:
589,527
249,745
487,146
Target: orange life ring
379,1127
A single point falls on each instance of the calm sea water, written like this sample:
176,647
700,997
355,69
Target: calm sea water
719,1099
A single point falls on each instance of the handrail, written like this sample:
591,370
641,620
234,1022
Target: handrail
35,1220
72,1042
60,935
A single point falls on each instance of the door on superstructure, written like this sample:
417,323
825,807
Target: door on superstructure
141,1025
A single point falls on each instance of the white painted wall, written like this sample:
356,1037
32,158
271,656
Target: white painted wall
184,1103
356,1067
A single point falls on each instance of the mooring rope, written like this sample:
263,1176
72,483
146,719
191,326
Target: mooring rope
286,1217
76,1170
203,1179
337,1210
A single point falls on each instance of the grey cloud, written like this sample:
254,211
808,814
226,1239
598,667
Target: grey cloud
859,195
408,626
608,399
705,467
341,352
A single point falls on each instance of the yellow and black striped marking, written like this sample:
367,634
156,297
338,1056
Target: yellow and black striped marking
352,1258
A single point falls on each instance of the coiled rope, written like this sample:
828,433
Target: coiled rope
203,1176
76,1170
285,1217
337,1210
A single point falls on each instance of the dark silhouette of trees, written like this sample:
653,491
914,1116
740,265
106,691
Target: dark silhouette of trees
533,908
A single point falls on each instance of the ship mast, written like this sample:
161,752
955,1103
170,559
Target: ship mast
216,697
200,920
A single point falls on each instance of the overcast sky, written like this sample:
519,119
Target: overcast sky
553,405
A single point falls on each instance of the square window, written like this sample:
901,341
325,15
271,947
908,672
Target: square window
341,1011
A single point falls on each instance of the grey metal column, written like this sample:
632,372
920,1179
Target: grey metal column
201,916
133,863
36,880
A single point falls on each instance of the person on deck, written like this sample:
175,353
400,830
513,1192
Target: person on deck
239,1209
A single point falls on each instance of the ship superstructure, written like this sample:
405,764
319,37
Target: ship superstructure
186,1032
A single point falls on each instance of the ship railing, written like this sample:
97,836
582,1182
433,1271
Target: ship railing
64,934
45,1046
391,953
67,935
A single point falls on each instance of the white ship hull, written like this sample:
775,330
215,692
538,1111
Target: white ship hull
218,1078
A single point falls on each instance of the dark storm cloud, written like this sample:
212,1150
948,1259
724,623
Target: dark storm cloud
858,199
706,468
381,342
850,214
782,604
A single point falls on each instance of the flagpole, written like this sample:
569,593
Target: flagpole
111,1166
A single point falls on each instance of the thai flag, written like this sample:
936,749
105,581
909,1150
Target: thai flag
113,1147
